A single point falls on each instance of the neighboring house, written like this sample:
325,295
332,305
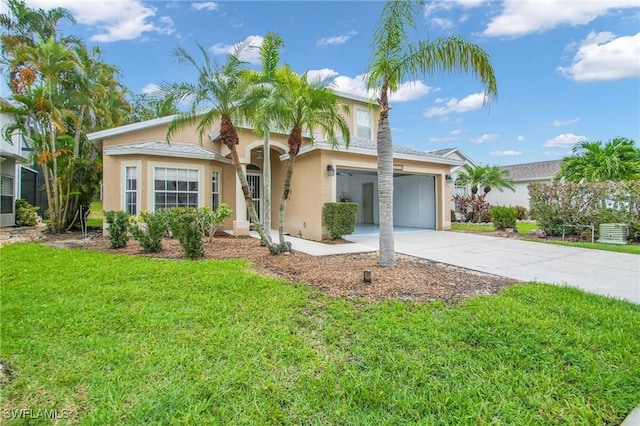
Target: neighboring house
19,178
143,172
522,175
457,154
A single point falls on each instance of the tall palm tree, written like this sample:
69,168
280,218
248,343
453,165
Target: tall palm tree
396,59
261,102
217,95
310,107
618,159
487,176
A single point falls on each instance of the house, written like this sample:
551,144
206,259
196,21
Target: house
456,187
141,171
20,177
522,175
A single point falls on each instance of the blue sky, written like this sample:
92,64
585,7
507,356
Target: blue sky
567,71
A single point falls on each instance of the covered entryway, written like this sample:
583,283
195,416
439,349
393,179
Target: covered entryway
414,199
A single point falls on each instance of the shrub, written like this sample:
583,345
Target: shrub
503,217
118,223
473,208
521,212
210,220
340,218
26,214
568,203
453,216
186,225
149,229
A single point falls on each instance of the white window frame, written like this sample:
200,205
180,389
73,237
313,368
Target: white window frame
135,191
216,191
369,126
11,186
123,185
176,166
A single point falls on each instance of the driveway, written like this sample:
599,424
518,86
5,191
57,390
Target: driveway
596,271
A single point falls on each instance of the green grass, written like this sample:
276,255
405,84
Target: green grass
627,248
521,227
95,215
130,340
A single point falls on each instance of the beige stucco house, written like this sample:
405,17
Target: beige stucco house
144,172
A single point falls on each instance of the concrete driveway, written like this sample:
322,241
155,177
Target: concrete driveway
596,271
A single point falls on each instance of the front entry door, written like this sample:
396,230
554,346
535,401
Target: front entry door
255,187
367,202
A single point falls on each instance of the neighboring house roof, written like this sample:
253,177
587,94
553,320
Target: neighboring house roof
541,170
164,149
369,147
454,153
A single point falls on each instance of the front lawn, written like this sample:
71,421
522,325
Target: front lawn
113,339
521,227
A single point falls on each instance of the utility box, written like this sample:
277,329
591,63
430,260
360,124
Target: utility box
613,233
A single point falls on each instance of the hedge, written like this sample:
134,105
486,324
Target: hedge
340,218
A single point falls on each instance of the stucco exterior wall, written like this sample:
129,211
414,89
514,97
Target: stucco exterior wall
508,198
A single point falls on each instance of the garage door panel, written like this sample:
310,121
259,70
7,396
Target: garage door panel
414,201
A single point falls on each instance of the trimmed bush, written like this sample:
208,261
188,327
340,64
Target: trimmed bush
503,217
26,214
340,218
521,212
117,225
149,229
186,226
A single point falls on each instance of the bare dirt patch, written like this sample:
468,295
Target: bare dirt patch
411,279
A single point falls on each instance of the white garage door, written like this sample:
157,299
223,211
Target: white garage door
414,201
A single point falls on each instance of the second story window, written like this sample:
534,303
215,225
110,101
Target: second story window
363,123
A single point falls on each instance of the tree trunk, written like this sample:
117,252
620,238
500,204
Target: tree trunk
229,137
387,255
266,183
294,141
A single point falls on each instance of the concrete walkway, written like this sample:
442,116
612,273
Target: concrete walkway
596,271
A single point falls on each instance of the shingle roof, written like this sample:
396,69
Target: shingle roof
540,170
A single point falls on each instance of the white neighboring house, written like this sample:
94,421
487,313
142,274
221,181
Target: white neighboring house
456,154
11,158
522,175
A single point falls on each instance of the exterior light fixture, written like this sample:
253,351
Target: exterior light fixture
448,178
330,170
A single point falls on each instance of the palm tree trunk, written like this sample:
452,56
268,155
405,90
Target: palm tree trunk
387,255
286,189
229,137
266,183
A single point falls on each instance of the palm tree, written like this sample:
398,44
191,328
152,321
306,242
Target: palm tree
395,59
310,107
217,95
262,102
487,176
617,160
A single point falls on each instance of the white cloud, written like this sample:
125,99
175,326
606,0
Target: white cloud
248,49
443,23
505,153
567,140
205,5
456,132
522,17
434,6
113,20
521,138
560,123
487,137
151,89
444,139
602,56
470,103
341,39
408,91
